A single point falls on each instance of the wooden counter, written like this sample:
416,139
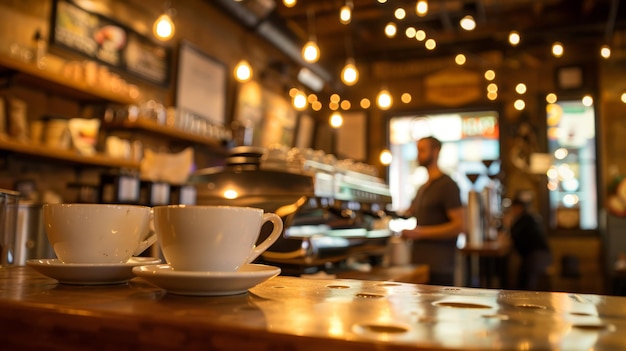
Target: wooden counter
287,313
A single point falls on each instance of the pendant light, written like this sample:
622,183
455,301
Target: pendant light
310,51
163,28
243,71
349,73
345,12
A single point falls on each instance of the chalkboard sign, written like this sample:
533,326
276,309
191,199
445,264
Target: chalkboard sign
103,40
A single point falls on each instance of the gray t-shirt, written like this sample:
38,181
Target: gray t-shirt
430,207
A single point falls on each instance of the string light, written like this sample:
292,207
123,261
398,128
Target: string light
557,49
385,157
421,8
349,74
243,71
390,30
289,3
605,51
345,13
336,120
384,100
468,23
310,51
514,38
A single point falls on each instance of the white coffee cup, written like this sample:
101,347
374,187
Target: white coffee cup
97,233
212,238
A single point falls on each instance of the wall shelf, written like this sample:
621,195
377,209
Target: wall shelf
28,74
68,156
146,125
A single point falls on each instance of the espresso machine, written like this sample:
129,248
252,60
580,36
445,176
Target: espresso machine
331,210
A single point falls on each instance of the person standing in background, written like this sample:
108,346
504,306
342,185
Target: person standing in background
531,243
440,217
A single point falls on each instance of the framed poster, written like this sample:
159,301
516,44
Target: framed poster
103,40
351,137
201,84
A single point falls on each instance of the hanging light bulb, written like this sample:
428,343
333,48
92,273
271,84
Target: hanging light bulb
605,51
468,23
385,157
289,3
421,8
311,52
163,28
345,13
384,100
243,71
349,74
514,38
300,101
390,30
557,49
336,120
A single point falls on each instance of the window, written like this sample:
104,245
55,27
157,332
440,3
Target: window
572,177
470,151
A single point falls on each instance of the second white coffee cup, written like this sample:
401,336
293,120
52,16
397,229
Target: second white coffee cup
212,238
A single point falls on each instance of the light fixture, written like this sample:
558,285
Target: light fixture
349,73
300,101
551,98
406,98
605,51
430,44
420,35
490,74
336,120
460,59
345,105
384,100
514,38
399,13
289,3
310,51
557,49
410,32
421,8
587,100
468,23
390,30
385,157
163,28
243,71
365,103
345,13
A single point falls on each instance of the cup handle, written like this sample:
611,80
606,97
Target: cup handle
146,243
274,235
149,238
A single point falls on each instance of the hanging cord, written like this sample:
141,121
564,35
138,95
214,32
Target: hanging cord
310,14
610,23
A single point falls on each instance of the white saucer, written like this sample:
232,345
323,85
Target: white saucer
89,274
206,283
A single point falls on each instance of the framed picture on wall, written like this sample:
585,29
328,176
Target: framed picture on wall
351,137
304,131
201,84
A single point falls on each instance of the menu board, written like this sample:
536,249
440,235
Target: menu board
105,41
